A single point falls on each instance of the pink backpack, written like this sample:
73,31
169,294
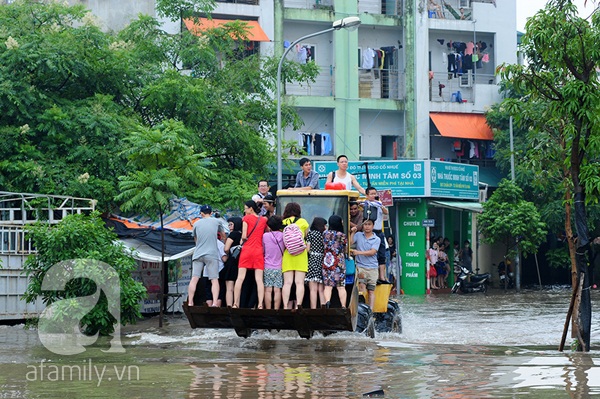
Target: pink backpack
293,239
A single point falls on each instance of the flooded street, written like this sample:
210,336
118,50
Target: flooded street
499,345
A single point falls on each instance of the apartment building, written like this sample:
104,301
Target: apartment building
412,83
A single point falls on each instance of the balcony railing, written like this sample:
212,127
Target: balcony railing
451,10
444,86
380,83
385,7
310,4
251,2
322,86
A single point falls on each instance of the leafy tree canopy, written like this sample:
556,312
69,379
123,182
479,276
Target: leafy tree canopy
83,237
72,94
508,219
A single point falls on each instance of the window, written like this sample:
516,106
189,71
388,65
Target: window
392,147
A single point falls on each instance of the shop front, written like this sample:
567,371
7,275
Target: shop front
431,199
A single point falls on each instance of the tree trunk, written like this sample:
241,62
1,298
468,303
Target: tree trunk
163,274
581,257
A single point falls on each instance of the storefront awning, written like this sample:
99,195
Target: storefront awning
255,32
462,126
459,205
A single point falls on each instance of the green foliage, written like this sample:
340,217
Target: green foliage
559,258
508,219
58,79
81,237
556,133
163,164
71,95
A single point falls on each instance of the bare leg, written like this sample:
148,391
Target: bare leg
321,294
299,280
313,288
192,290
342,295
215,291
371,299
260,287
237,291
277,299
326,294
229,293
269,297
288,280
382,272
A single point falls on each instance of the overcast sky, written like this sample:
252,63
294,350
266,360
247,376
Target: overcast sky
527,8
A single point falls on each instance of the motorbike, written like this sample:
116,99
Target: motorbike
506,274
468,282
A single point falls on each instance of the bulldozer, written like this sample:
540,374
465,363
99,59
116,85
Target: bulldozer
356,316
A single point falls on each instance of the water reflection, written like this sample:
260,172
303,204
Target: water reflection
482,346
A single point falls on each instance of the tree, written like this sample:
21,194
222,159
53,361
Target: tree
561,81
70,94
59,124
162,165
82,237
509,220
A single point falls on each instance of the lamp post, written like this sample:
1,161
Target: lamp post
349,23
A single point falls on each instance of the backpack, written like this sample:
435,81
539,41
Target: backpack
369,212
293,239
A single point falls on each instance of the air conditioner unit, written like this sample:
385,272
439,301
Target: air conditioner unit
466,80
464,3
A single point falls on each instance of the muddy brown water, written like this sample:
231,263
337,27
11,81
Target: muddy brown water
499,345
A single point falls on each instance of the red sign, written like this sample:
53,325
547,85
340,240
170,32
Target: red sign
385,196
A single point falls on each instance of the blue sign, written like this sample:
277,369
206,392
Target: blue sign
403,178
414,179
454,180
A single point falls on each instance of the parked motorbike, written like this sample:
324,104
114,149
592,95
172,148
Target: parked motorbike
505,272
468,282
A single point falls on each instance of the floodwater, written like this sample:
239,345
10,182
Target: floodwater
498,345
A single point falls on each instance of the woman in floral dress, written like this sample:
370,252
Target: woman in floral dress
314,276
334,260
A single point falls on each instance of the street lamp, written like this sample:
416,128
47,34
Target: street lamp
350,23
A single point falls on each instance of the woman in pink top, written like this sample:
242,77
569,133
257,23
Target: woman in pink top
273,247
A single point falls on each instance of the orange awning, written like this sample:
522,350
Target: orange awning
462,126
255,32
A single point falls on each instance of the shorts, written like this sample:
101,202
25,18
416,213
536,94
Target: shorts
211,264
381,259
369,277
273,278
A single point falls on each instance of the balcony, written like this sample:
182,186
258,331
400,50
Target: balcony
251,2
380,83
445,85
384,7
323,85
450,10
310,4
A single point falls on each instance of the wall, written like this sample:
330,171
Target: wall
373,125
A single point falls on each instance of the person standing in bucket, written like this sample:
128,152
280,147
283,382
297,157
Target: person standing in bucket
365,255
206,253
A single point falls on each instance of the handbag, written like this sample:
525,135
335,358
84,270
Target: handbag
236,250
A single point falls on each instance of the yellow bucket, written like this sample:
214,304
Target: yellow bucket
382,296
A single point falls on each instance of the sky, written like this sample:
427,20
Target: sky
528,8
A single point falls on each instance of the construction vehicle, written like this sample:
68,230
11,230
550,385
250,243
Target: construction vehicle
356,316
